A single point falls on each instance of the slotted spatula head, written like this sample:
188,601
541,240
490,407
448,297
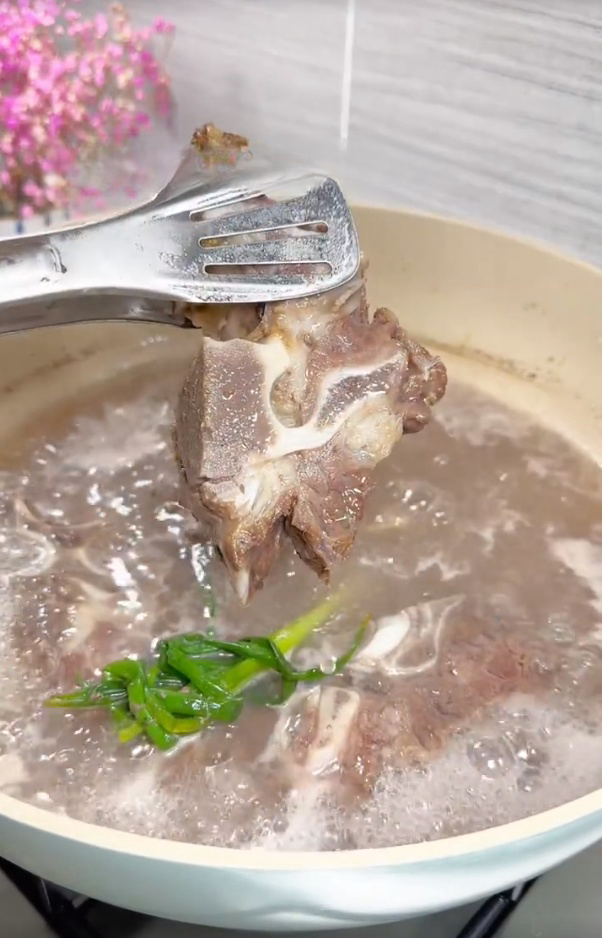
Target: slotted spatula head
243,235
254,237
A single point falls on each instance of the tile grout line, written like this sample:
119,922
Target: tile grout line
347,75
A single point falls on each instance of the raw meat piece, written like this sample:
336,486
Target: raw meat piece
277,433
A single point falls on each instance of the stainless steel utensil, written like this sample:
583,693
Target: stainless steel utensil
89,309
224,240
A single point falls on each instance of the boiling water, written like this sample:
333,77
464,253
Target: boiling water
477,699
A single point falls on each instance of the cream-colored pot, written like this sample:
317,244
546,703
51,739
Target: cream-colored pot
516,319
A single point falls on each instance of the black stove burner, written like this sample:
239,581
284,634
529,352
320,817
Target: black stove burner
72,916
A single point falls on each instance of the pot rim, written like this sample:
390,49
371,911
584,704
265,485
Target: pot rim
200,856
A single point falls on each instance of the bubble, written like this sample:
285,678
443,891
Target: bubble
411,503
529,781
9,511
68,497
561,629
526,748
171,514
491,757
24,553
120,441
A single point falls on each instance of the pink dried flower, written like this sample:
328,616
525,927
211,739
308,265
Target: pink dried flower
71,91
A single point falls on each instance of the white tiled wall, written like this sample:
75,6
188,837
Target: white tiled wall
486,109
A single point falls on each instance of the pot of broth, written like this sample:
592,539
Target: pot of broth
459,749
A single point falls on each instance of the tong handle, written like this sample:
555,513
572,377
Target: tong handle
59,278
90,309
67,262
31,268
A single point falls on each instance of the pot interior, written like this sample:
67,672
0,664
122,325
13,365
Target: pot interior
511,322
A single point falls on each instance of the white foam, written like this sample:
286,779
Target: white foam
479,426
12,771
10,676
138,801
304,825
505,520
449,569
120,438
585,560
450,795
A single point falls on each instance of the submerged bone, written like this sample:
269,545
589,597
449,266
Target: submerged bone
312,732
408,643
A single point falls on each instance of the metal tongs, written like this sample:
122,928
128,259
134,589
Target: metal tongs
200,240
